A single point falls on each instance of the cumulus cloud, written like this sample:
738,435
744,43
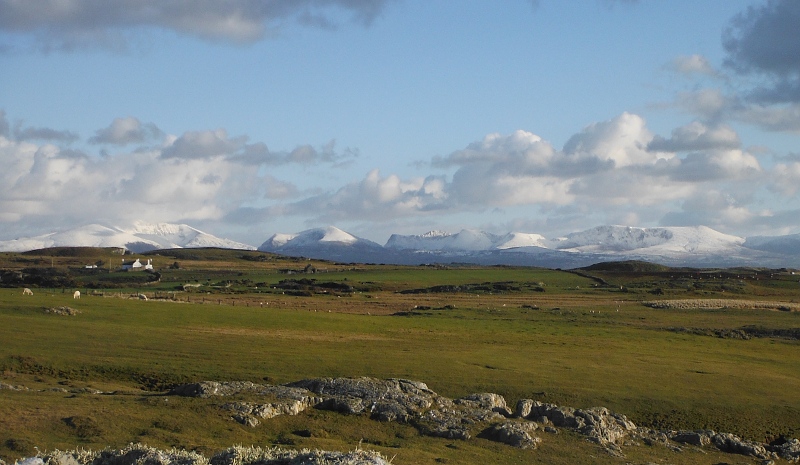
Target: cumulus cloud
203,144
69,24
696,136
622,140
376,197
716,165
787,178
716,208
69,187
124,131
610,171
198,176
614,165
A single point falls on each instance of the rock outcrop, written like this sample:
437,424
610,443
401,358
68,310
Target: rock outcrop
284,400
484,414
137,454
514,433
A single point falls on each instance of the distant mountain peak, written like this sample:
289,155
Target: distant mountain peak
315,237
436,233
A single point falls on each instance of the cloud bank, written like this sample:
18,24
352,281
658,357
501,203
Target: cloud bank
63,25
609,170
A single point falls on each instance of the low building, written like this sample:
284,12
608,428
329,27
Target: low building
137,265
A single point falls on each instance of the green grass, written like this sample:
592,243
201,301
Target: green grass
574,344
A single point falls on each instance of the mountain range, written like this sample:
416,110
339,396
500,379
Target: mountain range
697,246
141,237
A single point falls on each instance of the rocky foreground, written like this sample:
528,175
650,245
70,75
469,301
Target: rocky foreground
413,403
137,454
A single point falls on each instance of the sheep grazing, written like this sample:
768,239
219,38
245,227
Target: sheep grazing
27,291
142,297
76,295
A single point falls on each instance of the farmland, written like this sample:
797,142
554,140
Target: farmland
582,338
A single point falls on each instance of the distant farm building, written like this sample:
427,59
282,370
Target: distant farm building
137,265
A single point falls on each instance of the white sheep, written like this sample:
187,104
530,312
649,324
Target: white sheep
27,291
142,297
76,295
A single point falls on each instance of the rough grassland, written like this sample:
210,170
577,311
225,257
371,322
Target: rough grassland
96,379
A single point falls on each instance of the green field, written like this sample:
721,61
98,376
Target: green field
97,378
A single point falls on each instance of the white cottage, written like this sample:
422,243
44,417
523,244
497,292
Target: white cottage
137,265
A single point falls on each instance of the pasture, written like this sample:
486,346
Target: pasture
97,378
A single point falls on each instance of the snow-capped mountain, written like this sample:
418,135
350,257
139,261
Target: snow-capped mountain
466,240
329,243
331,235
677,246
672,240
141,237
697,246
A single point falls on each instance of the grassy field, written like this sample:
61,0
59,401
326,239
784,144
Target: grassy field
97,378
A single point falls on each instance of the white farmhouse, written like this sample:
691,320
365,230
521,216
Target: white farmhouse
137,265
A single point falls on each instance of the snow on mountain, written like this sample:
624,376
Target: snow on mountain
170,236
330,236
466,240
676,246
92,235
516,240
664,240
141,237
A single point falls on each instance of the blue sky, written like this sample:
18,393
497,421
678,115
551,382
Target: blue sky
247,118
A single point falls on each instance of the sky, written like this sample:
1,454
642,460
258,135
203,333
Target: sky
246,118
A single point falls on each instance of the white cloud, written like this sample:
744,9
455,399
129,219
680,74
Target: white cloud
718,209
203,144
787,178
611,171
696,136
48,184
622,140
375,197
716,165
129,130
608,169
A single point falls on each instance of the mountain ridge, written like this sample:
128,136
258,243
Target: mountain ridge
140,237
674,246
